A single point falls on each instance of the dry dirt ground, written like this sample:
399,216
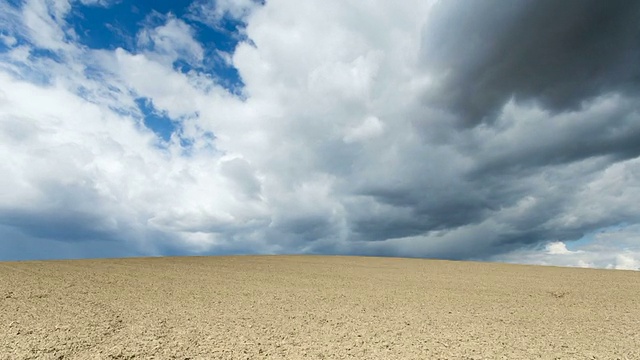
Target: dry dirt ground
316,307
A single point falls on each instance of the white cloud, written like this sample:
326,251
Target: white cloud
211,12
371,127
170,42
615,248
45,21
331,148
95,158
84,157
103,3
8,40
557,248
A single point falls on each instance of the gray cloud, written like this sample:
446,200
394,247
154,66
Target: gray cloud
73,212
608,130
469,130
558,53
241,174
15,245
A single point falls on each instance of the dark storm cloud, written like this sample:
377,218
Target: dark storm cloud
73,213
58,224
557,53
16,245
612,134
570,71
498,126
413,211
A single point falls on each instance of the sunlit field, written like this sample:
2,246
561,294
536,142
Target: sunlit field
316,307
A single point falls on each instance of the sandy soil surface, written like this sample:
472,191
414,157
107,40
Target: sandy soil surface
292,307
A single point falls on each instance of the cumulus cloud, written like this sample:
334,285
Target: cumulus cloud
612,248
171,41
369,128
213,12
362,128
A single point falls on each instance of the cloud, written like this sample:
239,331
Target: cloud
170,42
8,40
532,136
613,248
212,12
372,128
45,22
557,54
104,180
102,3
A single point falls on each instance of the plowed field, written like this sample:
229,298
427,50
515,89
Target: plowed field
315,307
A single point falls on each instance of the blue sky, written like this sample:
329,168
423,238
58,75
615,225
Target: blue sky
116,24
109,25
150,128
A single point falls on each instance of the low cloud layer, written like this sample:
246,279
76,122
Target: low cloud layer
483,131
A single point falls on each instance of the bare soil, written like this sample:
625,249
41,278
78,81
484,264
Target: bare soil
316,307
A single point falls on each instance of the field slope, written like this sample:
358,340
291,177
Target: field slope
316,307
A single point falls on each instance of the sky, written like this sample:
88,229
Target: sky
484,130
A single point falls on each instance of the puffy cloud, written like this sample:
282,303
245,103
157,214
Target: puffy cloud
612,248
81,172
212,12
370,127
170,42
346,137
